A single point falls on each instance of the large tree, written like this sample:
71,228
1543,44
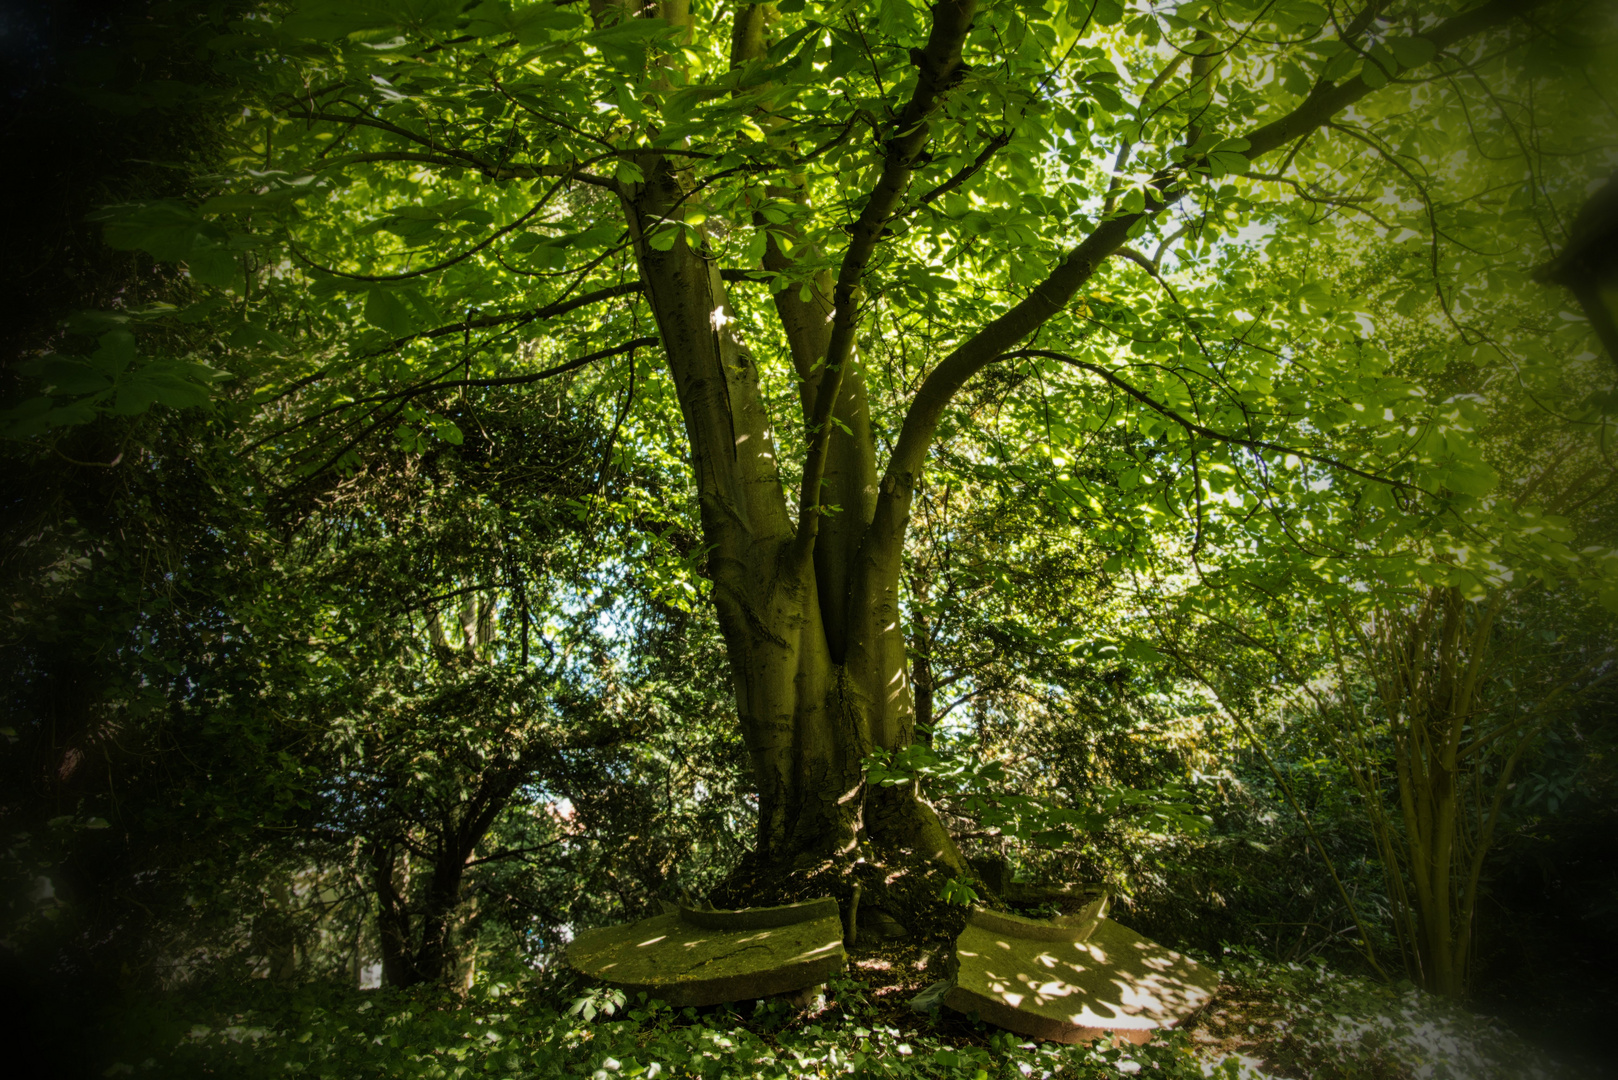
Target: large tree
842,215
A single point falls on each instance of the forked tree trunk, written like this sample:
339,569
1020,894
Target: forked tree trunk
423,930
808,600
1431,668
420,930
814,694
1453,756
808,606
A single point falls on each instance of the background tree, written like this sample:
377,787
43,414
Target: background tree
1425,649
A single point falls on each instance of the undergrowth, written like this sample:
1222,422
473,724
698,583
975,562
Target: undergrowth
1314,1024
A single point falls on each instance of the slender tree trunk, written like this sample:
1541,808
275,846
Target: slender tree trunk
282,951
418,941
392,916
435,956
1430,666
422,937
921,676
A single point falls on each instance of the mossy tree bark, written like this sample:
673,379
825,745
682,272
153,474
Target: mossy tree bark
807,598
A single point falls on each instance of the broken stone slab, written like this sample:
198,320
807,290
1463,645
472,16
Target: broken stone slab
932,998
694,956
1073,979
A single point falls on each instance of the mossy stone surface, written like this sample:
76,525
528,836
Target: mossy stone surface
671,958
1111,980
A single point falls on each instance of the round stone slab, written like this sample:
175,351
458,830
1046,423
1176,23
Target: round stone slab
695,957
1073,983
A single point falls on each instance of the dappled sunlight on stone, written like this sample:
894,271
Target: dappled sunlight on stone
1072,980
691,956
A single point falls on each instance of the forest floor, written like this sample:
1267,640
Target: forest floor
1290,1022
1239,1022
1268,1021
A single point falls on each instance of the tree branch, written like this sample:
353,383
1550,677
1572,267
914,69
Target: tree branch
1327,99
549,311
416,391
451,156
967,172
1050,296
509,853
509,380
1206,432
939,68
463,256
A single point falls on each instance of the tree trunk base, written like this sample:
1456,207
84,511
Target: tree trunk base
899,892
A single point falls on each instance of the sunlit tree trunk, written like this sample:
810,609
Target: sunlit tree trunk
809,600
818,667
809,611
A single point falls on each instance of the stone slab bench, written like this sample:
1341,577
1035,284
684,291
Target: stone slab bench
692,956
1073,979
